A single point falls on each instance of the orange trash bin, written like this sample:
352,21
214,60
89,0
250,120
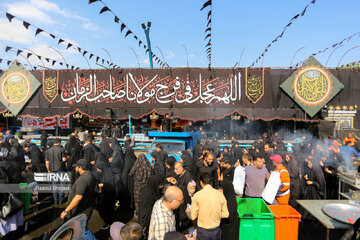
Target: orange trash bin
286,222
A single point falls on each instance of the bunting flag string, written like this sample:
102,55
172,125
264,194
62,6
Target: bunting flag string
8,62
38,30
127,31
29,54
292,20
345,40
207,38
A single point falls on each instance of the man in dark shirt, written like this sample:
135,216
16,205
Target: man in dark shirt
227,171
127,142
266,155
105,131
237,153
188,127
162,153
82,195
116,132
206,166
88,151
183,177
166,124
55,162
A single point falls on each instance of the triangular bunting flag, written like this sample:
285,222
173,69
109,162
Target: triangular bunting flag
9,16
104,9
39,30
208,3
26,24
209,14
69,45
128,32
122,27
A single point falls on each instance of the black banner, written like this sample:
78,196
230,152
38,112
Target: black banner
189,93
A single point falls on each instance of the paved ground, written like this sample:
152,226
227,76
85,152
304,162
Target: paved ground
43,220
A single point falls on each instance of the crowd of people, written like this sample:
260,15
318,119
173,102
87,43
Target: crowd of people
177,199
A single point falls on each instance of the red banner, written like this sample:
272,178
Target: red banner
46,123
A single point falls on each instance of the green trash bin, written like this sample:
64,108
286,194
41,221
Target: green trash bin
26,197
256,219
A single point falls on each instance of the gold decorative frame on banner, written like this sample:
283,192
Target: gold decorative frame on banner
254,87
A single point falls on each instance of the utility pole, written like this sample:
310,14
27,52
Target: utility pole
147,34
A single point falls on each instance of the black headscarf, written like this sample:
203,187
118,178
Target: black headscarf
186,157
74,156
117,162
158,167
37,159
16,154
230,226
151,193
100,157
130,159
73,142
115,145
105,148
106,176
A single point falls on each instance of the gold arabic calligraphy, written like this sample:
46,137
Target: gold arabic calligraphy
15,88
254,88
312,88
50,87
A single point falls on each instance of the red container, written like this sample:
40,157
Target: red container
286,222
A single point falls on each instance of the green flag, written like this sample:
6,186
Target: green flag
312,86
17,87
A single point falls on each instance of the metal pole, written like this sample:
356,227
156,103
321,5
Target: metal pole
25,59
130,125
147,34
108,54
241,55
163,57
38,56
83,57
294,55
331,55
60,55
187,57
345,54
136,56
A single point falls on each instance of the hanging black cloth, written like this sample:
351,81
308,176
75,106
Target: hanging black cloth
37,159
105,148
149,196
230,225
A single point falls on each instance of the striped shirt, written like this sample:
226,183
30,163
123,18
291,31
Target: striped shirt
162,221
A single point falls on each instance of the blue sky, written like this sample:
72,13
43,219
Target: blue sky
235,24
